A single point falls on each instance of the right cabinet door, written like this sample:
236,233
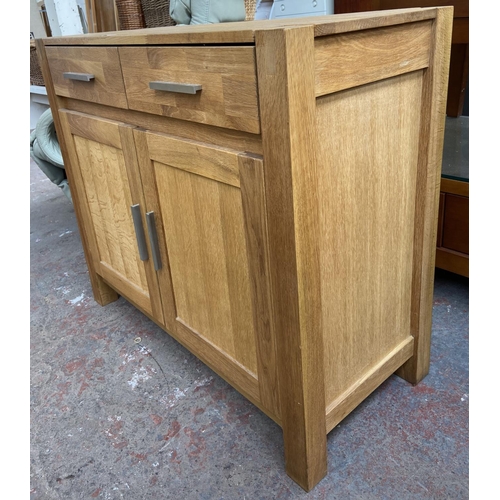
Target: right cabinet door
208,207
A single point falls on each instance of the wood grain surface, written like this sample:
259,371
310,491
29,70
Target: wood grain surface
349,60
245,32
102,62
103,169
285,62
227,75
295,198
430,155
367,157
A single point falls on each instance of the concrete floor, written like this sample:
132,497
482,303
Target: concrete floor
112,418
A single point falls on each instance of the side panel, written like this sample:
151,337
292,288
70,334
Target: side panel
380,151
368,153
346,61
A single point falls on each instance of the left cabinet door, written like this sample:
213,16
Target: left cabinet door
104,167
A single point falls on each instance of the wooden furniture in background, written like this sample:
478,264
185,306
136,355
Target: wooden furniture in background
453,227
453,224
270,200
459,61
101,16
36,76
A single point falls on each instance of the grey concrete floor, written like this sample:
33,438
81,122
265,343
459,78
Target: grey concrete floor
113,419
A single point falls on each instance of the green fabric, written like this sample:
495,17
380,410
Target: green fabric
46,152
207,11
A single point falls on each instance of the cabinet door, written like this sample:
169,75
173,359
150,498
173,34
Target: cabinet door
104,165
209,212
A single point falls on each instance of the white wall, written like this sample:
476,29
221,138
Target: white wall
36,24
64,17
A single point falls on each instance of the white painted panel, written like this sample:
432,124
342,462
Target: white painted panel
64,17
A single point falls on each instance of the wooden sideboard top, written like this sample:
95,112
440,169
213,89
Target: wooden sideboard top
244,32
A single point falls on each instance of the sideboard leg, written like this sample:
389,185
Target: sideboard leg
288,107
304,430
432,125
103,293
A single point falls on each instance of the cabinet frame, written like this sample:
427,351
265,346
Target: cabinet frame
282,201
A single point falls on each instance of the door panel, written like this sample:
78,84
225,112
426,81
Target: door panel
203,223
109,199
210,205
103,157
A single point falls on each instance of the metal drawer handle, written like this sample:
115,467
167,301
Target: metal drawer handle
139,232
183,88
83,77
153,239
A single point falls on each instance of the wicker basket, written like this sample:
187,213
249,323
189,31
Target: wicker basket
157,13
130,14
36,77
136,14
250,8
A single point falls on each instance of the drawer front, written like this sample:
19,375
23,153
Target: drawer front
222,81
88,73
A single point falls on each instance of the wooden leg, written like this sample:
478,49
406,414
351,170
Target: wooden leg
305,441
427,200
288,106
103,293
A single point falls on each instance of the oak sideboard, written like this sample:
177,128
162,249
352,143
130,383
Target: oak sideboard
267,192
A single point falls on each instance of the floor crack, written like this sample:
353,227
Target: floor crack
148,351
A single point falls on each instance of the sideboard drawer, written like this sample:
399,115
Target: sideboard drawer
211,85
88,73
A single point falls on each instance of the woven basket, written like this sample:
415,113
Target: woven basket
250,8
157,13
130,14
136,14
36,77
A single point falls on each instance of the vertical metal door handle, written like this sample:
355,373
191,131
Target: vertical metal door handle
139,232
153,239
82,77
